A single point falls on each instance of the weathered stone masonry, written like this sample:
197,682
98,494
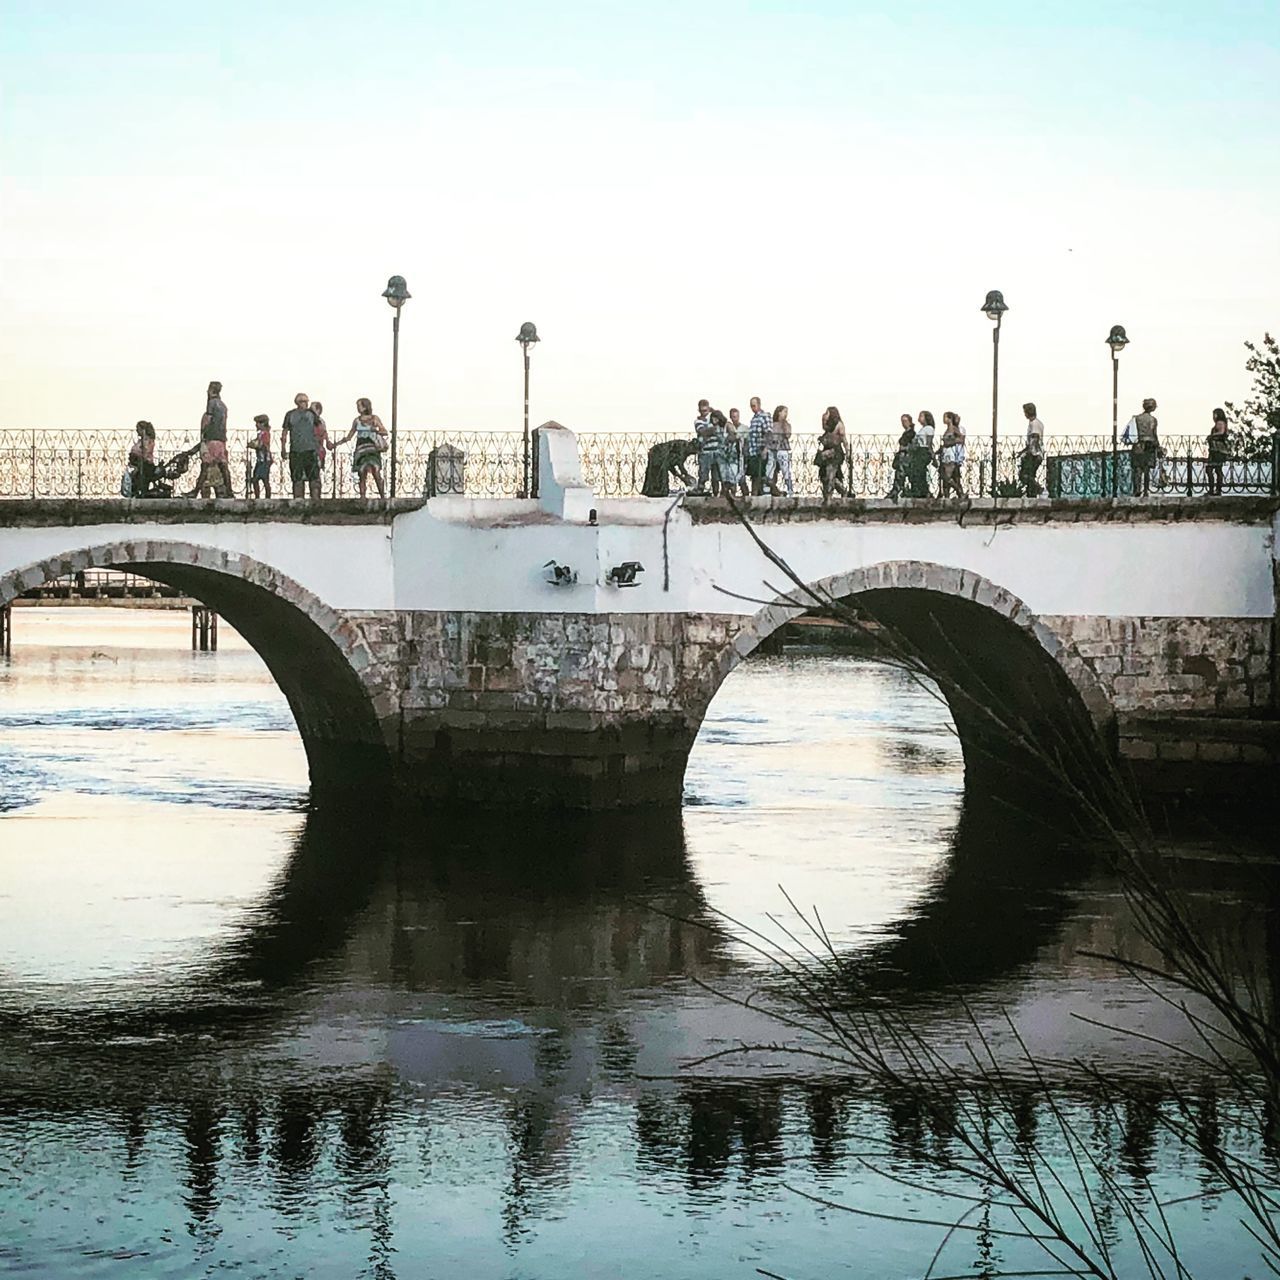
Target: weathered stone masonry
1194,698
590,710
1175,664
575,709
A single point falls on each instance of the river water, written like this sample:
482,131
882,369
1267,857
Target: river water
242,1035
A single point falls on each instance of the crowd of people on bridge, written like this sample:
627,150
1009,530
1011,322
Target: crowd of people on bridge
304,441
732,457
736,458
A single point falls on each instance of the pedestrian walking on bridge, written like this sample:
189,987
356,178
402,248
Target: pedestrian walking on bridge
1032,454
142,460
902,458
260,451
730,462
756,449
706,426
920,455
1219,444
215,472
1145,450
371,441
299,442
780,453
830,456
951,455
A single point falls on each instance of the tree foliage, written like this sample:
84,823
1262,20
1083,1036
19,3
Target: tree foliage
1258,418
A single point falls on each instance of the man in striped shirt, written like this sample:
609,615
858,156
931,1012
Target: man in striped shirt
708,433
757,447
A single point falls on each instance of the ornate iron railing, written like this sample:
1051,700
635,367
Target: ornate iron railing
489,464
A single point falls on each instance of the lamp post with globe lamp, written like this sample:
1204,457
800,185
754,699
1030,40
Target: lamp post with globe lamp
995,308
397,294
527,336
1117,341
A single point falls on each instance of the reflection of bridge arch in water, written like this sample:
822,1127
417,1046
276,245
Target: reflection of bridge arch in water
231,1104
992,657
471,911
313,653
429,900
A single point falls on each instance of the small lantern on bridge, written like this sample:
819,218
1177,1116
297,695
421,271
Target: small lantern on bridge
397,292
994,306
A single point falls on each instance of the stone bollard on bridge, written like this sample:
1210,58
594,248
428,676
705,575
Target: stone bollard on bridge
446,471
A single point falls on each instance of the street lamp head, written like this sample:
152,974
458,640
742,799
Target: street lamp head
528,334
397,292
994,305
1116,340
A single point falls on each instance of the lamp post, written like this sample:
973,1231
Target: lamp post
527,336
1117,341
397,294
995,308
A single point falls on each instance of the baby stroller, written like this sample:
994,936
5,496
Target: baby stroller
158,480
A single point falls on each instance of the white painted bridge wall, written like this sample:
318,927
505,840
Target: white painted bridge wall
491,557
464,554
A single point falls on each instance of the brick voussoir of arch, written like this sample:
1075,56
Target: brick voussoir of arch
948,580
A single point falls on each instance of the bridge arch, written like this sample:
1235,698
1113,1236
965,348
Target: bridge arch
982,643
314,653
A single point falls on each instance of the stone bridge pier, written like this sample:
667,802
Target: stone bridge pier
581,710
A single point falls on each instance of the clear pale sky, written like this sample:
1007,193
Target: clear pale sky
807,201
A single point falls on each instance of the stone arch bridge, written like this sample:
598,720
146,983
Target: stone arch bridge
429,641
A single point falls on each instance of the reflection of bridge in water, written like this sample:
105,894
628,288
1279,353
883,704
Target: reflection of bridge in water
544,987
506,913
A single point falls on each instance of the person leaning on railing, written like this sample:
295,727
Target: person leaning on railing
664,461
